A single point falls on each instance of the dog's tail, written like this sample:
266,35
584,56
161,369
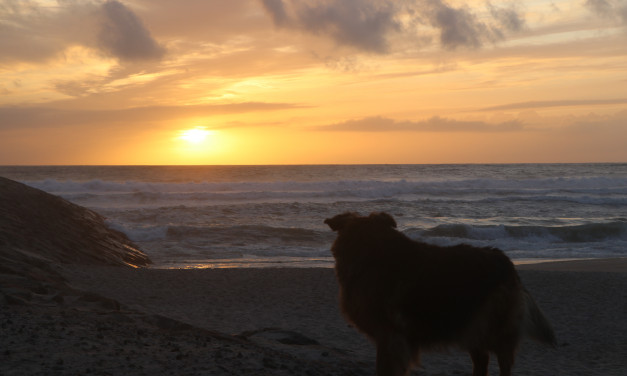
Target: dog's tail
536,325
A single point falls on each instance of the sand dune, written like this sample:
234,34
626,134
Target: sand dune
37,225
39,232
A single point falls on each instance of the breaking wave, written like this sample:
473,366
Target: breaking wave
593,232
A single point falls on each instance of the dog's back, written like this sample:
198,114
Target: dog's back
408,296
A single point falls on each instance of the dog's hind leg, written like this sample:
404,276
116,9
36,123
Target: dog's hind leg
394,355
480,361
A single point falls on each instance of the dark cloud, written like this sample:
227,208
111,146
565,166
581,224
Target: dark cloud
609,9
276,8
434,124
32,32
461,27
556,103
509,18
369,24
458,26
363,24
357,23
124,36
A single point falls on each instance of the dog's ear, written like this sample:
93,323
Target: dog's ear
384,219
339,221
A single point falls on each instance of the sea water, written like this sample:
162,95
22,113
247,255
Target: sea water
258,216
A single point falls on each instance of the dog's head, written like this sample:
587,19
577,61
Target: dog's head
345,220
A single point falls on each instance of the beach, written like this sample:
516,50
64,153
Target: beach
282,321
79,298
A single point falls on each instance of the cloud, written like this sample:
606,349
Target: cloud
592,123
461,27
123,35
368,25
600,7
363,24
12,117
556,103
509,18
32,32
276,8
458,26
356,23
434,124
609,9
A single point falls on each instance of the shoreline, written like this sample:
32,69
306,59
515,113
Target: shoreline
610,264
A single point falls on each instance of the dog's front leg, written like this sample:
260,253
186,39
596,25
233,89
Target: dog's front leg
393,355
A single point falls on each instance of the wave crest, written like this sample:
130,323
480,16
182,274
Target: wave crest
593,232
593,191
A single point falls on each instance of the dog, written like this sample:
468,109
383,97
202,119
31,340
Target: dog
409,296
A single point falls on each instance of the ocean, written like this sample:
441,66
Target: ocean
272,216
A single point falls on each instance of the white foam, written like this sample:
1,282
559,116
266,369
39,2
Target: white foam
144,233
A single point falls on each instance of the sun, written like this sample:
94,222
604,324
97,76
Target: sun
198,145
196,135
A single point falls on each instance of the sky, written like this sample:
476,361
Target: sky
312,81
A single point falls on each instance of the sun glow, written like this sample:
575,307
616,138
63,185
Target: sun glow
196,135
199,145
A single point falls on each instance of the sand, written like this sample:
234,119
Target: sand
279,322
